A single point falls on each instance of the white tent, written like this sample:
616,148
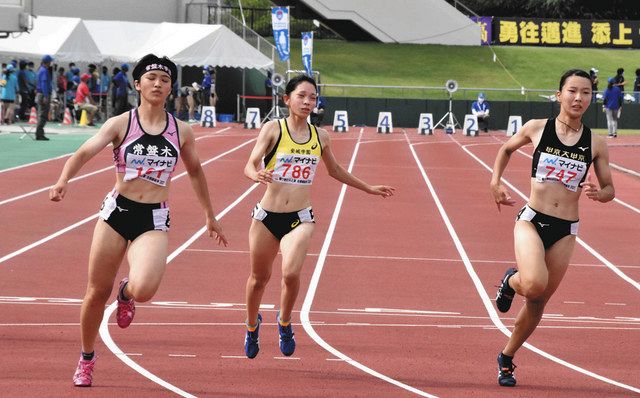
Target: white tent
185,44
114,42
65,39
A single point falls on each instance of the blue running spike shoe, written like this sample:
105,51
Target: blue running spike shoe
506,367
505,294
252,341
287,342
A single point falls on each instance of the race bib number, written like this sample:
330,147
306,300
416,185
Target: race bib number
555,168
154,169
295,169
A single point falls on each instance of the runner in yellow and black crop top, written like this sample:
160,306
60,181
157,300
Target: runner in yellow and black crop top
546,227
283,219
293,162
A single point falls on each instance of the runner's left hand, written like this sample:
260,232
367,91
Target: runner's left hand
590,188
382,190
214,225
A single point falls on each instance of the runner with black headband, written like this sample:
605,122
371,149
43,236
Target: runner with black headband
134,217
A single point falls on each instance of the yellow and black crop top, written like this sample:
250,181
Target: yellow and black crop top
293,162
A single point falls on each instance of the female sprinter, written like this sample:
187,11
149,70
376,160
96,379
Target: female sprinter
546,228
283,219
135,214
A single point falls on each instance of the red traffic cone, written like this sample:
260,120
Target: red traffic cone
33,117
67,117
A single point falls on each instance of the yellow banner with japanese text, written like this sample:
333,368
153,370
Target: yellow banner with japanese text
566,33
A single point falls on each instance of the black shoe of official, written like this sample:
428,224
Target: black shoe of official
506,367
505,294
41,138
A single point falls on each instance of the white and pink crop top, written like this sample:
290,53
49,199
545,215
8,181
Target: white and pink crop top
150,157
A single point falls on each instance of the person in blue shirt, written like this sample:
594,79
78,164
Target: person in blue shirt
480,108
209,97
122,86
612,99
23,89
636,86
105,81
317,114
8,94
43,96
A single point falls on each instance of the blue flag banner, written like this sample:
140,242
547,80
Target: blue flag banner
280,25
307,52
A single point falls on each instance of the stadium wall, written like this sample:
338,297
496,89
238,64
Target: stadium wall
403,21
406,112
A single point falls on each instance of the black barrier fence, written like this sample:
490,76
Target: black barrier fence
406,112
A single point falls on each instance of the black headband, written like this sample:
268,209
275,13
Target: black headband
151,62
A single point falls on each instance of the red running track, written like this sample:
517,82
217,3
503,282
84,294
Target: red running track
397,306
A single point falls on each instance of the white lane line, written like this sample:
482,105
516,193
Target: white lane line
93,216
104,326
37,191
313,286
287,358
34,163
46,238
624,169
621,304
573,302
401,258
614,325
234,356
182,355
80,177
582,243
482,292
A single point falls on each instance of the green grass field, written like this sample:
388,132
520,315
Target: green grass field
540,68
18,151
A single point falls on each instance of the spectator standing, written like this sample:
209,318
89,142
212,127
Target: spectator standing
209,96
317,114
480,108
94,83
69,73
636,87
121,83
23,89
43,96
593,76
620,82
612,103
105,82
8,94
114,73
31,85
268,84
619,79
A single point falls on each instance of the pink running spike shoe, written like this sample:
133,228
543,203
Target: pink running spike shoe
126,309
84,372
